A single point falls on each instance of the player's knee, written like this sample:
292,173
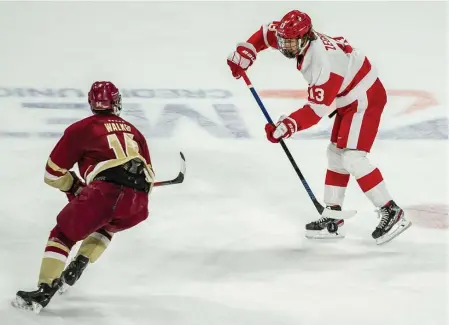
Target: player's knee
334,159
60,236
356,162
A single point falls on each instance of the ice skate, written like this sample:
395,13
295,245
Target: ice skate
392,223
73,272
325,228
37,299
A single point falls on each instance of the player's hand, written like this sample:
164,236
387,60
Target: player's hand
77,185
284,128
242,58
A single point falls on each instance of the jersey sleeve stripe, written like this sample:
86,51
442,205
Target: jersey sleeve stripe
319,109
55,167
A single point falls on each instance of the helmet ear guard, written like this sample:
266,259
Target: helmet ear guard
117,105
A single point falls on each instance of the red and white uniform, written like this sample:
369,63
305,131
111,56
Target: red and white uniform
335,72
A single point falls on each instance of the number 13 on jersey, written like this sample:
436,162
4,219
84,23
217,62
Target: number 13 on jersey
316,94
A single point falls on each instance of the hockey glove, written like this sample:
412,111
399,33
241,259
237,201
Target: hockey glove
284,128
75,189
242,58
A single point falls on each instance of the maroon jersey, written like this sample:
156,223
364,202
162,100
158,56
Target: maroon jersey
96,143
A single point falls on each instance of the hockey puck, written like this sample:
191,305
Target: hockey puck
332,227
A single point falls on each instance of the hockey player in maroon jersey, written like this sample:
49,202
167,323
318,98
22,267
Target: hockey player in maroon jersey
114,161
336,72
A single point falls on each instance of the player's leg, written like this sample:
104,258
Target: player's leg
131,208
357,134
79,218
336,181
96,237
56,252
95,244
90,250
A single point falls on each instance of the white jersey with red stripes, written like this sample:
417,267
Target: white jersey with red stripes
334,70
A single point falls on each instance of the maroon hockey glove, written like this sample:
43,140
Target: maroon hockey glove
75,189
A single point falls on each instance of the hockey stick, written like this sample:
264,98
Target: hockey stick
321,210
331,115
179,179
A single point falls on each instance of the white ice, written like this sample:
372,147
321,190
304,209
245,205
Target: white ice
227,246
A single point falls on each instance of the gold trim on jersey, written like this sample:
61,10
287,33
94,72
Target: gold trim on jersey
107,164
63,183
55,167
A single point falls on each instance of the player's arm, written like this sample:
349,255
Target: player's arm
246,52
265,37
62,158
322,92
321,95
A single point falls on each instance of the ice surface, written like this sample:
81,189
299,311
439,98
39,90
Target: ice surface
227,246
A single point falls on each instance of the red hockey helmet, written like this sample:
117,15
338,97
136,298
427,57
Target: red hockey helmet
104,97
293,33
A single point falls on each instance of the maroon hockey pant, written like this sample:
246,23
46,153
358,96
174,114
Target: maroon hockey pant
102,205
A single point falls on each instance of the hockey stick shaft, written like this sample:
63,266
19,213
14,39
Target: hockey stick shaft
179,179
319,207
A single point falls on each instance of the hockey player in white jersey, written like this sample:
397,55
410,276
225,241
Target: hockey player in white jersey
335,72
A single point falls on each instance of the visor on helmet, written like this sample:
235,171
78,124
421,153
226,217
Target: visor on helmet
292,47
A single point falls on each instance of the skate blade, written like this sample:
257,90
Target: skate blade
19,303
323,234
397,229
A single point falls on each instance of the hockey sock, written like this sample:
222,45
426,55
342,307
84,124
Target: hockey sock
373,185
337,177
93,246
55,256
335,188
368,176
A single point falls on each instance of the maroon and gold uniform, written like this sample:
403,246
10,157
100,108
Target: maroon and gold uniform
111,195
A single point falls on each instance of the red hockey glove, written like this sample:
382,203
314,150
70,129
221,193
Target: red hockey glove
284,128
242,58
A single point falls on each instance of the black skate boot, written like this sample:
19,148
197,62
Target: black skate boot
37,299
74,270
392,223
325,227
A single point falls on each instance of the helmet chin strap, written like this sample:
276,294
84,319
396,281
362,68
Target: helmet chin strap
302,48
